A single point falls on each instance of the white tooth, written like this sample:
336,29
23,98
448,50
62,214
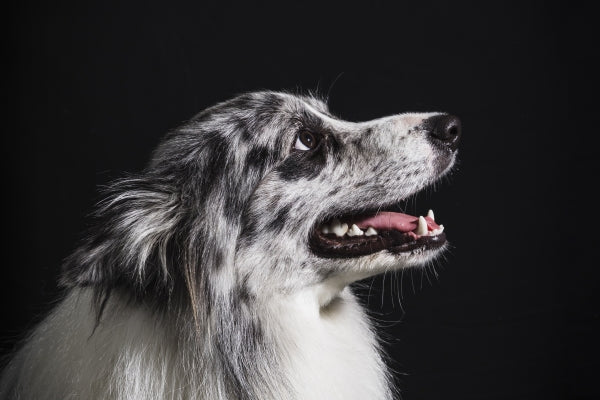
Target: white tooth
338,228
422,228
430,214
343,230
370,232
437,231
325,229
355,231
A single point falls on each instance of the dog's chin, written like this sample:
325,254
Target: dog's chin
361,267
344,271
418,257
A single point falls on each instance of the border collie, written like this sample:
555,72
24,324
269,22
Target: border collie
222,270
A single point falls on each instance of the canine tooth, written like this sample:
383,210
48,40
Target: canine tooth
355,231
370,232
325,229
437,231
430,214
422,228
338,228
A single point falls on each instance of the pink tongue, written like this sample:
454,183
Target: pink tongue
387,221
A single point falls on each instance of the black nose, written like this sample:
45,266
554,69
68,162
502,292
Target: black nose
445,129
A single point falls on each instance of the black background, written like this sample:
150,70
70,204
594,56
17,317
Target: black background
512,313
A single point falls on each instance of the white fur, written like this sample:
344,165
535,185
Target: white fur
335,353
63,360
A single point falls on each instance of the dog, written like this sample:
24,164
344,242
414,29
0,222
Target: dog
223,269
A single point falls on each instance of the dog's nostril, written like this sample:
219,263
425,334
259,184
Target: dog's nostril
453,130
446,128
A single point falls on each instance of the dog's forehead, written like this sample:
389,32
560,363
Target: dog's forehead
316,104
315,111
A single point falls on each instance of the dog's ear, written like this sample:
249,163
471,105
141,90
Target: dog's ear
170,226
131,240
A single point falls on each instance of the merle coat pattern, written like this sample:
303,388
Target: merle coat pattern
198,279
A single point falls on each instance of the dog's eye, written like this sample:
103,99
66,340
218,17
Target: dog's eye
306,141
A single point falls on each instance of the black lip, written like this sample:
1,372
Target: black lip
330,246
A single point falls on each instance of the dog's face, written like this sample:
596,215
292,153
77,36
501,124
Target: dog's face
269,192
319,209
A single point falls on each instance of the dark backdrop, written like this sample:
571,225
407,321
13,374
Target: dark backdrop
511,313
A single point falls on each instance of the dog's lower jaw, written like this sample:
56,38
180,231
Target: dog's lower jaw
353,270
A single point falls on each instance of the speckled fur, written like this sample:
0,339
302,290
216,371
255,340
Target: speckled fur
197,280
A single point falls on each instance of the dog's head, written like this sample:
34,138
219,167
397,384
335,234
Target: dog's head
270,192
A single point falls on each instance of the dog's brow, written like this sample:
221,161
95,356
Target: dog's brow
320,114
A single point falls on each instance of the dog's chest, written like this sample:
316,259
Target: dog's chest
333,353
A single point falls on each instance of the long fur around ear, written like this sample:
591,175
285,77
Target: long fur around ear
172,223
134,242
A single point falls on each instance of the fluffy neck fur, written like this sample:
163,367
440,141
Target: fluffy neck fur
309,352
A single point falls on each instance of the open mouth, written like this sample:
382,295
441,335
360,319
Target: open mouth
359,235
